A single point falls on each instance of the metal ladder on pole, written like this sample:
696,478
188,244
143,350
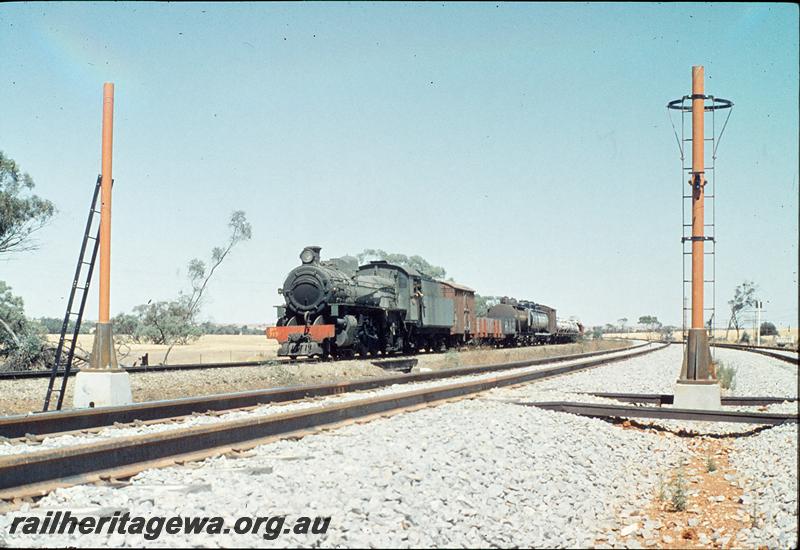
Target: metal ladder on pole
65,352
709,230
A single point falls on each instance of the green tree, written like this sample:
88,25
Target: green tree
22,343
21,213
743,296
415,262
175,321
483,303
125,324
650,322
768,329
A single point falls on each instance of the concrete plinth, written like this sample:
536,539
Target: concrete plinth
697,395
102,388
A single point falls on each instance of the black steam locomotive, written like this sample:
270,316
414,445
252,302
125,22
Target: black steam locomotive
388,308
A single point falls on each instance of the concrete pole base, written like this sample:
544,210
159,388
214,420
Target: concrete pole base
695,394
103,384
102,388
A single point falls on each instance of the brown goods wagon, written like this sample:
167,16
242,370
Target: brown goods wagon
463,307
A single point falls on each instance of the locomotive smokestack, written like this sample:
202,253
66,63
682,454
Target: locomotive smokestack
310,255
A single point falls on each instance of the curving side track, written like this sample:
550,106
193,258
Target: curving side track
790,356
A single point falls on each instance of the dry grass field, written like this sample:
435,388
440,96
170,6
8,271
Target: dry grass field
217,348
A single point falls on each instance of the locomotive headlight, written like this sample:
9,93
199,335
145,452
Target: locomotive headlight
307,256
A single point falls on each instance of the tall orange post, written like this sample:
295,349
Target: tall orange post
104,383
105,209
697,364
698,183
697,386
104,354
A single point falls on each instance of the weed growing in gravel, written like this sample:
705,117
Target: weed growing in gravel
711,466
726,376
677,489
662,489
754,516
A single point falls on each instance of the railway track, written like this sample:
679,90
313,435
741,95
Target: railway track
36,473
788,356
73,420
387,363
602,410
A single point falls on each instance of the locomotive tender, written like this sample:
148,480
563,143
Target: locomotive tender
388,308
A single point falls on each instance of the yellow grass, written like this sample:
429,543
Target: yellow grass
213,348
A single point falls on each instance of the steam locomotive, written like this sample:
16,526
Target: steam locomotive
389,308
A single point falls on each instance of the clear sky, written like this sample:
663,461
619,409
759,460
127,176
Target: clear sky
524,147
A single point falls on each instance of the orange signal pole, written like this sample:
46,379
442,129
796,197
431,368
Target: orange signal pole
697,386
698,195
104,355
104,383
105,208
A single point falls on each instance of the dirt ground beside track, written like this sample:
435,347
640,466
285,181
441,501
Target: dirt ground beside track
25,395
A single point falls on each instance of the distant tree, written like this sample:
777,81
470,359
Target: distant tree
21,214
743,297
483,303
22,342
597,332
125,323
415,262
768,329
650,322
175,321
666,332
622,323
609,328
166,322
52,325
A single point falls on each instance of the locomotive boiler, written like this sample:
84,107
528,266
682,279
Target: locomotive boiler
387,308
382,308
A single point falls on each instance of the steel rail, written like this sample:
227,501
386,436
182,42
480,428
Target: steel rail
596,410
19,374
41,471
764,351
669,399
82,419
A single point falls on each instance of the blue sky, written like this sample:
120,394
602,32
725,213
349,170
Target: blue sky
525,147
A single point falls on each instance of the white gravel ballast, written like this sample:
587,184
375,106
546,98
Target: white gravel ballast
471,473
474,473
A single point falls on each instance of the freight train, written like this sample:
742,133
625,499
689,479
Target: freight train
387,308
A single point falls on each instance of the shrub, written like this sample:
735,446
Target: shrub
726,376
678,492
